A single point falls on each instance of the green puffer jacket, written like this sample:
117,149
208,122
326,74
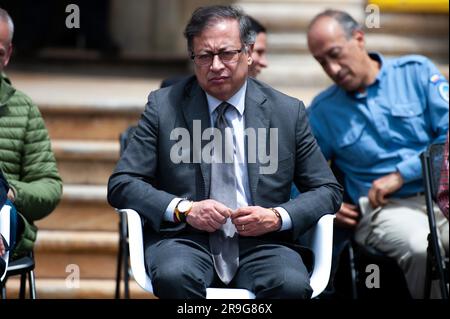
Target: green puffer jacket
27,160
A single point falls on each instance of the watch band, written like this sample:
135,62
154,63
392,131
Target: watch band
180,217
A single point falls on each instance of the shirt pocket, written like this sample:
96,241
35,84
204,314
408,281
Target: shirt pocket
355,145
407,123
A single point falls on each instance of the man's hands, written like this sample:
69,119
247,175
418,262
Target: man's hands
255,221
384,186
2,248
11,195
347,216
209,215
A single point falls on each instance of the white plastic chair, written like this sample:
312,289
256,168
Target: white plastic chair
322,245
4,230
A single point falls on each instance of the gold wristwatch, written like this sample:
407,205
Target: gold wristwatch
182,209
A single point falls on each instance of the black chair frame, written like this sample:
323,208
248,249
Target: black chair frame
431,161
24,267
123,267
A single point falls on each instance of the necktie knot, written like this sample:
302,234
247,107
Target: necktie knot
222,108
221,120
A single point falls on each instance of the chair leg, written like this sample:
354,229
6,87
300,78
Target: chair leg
126,271
437,258
429,270
31,283
3,290
23,281
351,255
125,254
119,259
444,285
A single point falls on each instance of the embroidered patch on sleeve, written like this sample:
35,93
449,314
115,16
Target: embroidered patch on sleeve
443,90
435,78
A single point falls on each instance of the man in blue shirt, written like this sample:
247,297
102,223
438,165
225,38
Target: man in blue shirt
373,124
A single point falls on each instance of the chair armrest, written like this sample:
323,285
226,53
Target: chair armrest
322,246
136,248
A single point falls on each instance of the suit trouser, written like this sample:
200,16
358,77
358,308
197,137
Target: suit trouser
182,268
400,230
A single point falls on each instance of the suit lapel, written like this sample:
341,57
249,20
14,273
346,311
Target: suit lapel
196,108
256,116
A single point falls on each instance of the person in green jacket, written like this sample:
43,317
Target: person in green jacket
27,160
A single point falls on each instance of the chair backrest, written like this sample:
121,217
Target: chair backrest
435,153
125,137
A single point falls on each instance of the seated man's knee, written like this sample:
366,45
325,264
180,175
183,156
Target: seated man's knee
417,246
178,282
292,285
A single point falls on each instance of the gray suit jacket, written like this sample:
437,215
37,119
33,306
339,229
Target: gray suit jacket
146,179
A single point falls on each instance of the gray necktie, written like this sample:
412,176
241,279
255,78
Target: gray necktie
224,242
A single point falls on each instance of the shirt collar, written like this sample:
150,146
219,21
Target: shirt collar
237,100
380,59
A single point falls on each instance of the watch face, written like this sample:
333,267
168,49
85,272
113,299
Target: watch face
184,206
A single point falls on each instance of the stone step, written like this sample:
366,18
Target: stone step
47,288
83,207
86,162
294,16
92,253
86,107
89,122
388,44
412,24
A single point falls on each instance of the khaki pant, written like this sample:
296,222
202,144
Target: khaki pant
400,230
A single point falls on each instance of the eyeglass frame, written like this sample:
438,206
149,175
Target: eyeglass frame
212,55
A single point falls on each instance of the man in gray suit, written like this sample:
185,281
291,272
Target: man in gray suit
167,176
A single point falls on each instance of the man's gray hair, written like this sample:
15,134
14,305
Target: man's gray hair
204,17
346,21
4,17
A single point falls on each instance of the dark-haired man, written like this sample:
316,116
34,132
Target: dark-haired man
212,218
374,123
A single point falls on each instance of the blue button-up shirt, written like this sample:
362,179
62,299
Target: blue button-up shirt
385,129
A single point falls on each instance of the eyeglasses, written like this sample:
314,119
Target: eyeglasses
227,57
